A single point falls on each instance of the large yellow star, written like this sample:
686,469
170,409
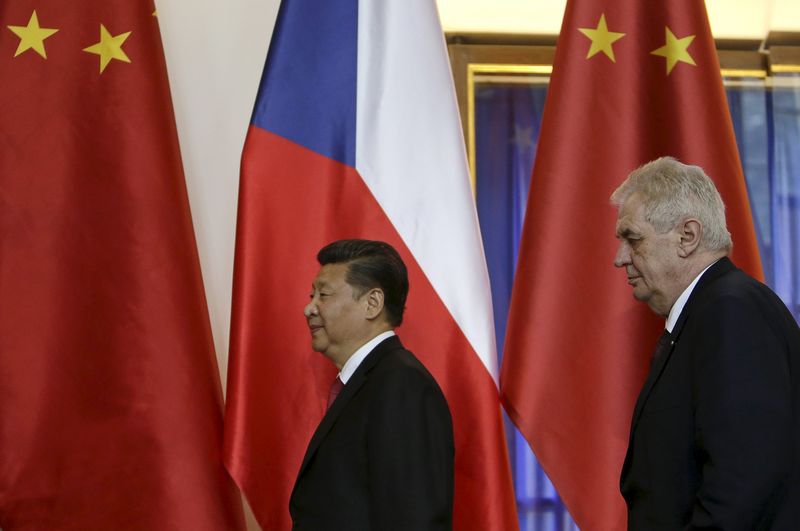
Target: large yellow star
31,37
675,50
109,47
602,39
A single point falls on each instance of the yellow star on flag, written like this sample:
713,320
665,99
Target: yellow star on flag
602,39
109,47
675,50
31,37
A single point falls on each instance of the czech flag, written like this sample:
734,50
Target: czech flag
355,134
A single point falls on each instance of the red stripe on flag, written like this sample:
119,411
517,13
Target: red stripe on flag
292,202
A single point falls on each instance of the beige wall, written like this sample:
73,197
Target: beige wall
729,18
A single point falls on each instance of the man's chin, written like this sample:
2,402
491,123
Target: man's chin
318,346
654,303
640,295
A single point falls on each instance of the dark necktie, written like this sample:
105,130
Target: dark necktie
664,343
336,388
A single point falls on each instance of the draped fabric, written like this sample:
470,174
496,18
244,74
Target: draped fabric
110,398
508,117
575,354
365,151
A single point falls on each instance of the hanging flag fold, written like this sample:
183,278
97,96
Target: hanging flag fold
110,399
355,134
631,82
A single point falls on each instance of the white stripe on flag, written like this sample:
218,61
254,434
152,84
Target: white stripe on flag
410,152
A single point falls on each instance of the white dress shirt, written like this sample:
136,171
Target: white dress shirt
358,356
677,308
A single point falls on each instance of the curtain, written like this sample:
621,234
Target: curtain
766,118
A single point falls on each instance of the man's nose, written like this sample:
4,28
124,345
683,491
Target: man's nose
310,309
623,256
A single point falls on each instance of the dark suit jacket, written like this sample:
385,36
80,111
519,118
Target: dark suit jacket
715,437
382,457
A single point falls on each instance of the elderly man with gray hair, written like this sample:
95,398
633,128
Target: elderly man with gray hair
715,434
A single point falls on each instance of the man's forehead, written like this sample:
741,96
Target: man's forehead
330,274
624,219
320,281
630,216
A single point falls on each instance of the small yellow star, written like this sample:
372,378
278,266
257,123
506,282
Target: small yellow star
109,47
602,39
31,37
675,50
523,137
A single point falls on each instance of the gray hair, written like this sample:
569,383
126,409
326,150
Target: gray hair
673,191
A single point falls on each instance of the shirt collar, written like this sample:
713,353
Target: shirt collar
358,356
677,308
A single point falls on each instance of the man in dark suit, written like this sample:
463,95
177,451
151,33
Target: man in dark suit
715,435
382,457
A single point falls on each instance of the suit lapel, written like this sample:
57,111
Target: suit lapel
348,392
655,373
724,265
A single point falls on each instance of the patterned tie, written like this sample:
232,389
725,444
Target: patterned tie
664,343
336,388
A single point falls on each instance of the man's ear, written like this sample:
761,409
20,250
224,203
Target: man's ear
374,299
690,231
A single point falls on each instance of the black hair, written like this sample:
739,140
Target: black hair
372,264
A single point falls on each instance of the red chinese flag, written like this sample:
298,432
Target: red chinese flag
110,403
632,81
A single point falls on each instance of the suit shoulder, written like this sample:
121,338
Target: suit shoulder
738,293
401,375
402,364
744,311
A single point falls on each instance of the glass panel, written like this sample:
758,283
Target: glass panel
766,119
508,112
507,121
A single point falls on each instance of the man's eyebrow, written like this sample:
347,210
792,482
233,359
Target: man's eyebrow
624,232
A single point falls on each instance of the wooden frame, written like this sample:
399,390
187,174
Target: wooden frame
474,57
